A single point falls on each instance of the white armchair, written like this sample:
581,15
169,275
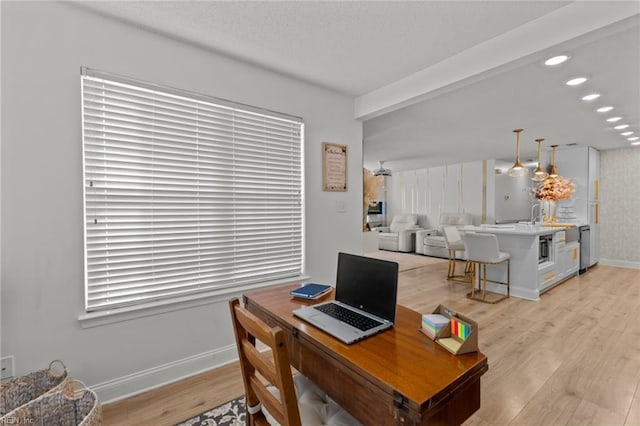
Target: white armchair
400,236
431,242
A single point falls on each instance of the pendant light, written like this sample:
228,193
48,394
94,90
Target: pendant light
554,167
517,169
539,174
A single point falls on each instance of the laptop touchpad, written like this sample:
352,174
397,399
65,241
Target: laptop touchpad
322,319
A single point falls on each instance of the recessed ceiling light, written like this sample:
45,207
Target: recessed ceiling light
591,97
605,109
626,133
621,126
576,81
614,119
635,143
635,138
556,60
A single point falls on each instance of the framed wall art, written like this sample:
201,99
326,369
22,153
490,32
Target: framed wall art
334,167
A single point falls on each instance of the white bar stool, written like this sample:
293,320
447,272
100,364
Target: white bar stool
453,242
482,249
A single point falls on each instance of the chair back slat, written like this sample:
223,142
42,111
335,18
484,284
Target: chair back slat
274,407
260,362
276,370
254,326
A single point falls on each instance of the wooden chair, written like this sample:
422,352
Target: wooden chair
271,395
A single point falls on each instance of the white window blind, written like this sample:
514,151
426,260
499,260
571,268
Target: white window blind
184,193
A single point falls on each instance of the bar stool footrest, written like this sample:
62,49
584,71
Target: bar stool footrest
466,278
490,297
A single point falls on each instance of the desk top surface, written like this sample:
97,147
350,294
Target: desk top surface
401,359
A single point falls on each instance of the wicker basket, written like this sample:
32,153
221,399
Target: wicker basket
21,390
59,409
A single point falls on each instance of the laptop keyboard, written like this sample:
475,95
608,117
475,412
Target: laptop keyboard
347,315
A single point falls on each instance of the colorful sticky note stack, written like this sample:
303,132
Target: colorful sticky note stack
459,329
433,323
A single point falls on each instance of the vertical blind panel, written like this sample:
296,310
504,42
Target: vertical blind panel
185,195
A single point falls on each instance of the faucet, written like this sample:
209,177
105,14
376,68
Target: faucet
533,218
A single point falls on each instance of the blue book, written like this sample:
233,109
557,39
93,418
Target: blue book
311,291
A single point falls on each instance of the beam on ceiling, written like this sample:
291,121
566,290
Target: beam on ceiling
505,51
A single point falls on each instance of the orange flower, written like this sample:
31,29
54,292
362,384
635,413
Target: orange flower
554,189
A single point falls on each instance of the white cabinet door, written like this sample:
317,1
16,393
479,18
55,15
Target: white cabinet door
582,165
594,244
568,260
594,205
573,164
594,175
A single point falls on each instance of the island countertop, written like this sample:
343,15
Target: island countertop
520,228
530,274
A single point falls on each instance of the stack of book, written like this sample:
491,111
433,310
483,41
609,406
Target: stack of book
432,324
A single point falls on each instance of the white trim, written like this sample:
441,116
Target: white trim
152,378
522,293
95,319
519,292
619,263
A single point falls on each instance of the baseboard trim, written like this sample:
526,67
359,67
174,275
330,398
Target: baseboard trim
146,380
619,263
519,292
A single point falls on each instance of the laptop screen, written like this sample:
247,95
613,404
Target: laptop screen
368,284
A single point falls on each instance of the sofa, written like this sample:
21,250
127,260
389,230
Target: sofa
430,242
400,235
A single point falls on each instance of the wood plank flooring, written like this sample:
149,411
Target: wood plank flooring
572,358
178,401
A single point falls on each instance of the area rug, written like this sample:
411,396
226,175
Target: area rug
406,261
232,413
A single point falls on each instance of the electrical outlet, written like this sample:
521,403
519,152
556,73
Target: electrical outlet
7,365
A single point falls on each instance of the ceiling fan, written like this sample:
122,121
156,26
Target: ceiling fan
381,171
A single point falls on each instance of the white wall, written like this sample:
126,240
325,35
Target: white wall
620,207
43,47
513,198
455,188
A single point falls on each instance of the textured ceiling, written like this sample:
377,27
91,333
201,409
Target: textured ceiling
350,46
362,49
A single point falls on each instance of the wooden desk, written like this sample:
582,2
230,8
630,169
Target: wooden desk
396,377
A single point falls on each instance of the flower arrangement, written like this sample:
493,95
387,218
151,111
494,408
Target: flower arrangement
371,186
554,188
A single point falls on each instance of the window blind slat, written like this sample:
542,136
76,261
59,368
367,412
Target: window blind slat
105,89
185,194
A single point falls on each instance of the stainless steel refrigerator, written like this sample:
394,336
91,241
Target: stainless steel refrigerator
585,247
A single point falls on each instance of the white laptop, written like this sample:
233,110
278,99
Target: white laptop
365,302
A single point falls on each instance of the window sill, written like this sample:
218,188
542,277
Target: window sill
96,319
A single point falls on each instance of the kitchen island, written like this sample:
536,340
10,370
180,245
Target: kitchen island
541,257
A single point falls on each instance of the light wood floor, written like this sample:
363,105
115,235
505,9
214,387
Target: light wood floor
571,358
